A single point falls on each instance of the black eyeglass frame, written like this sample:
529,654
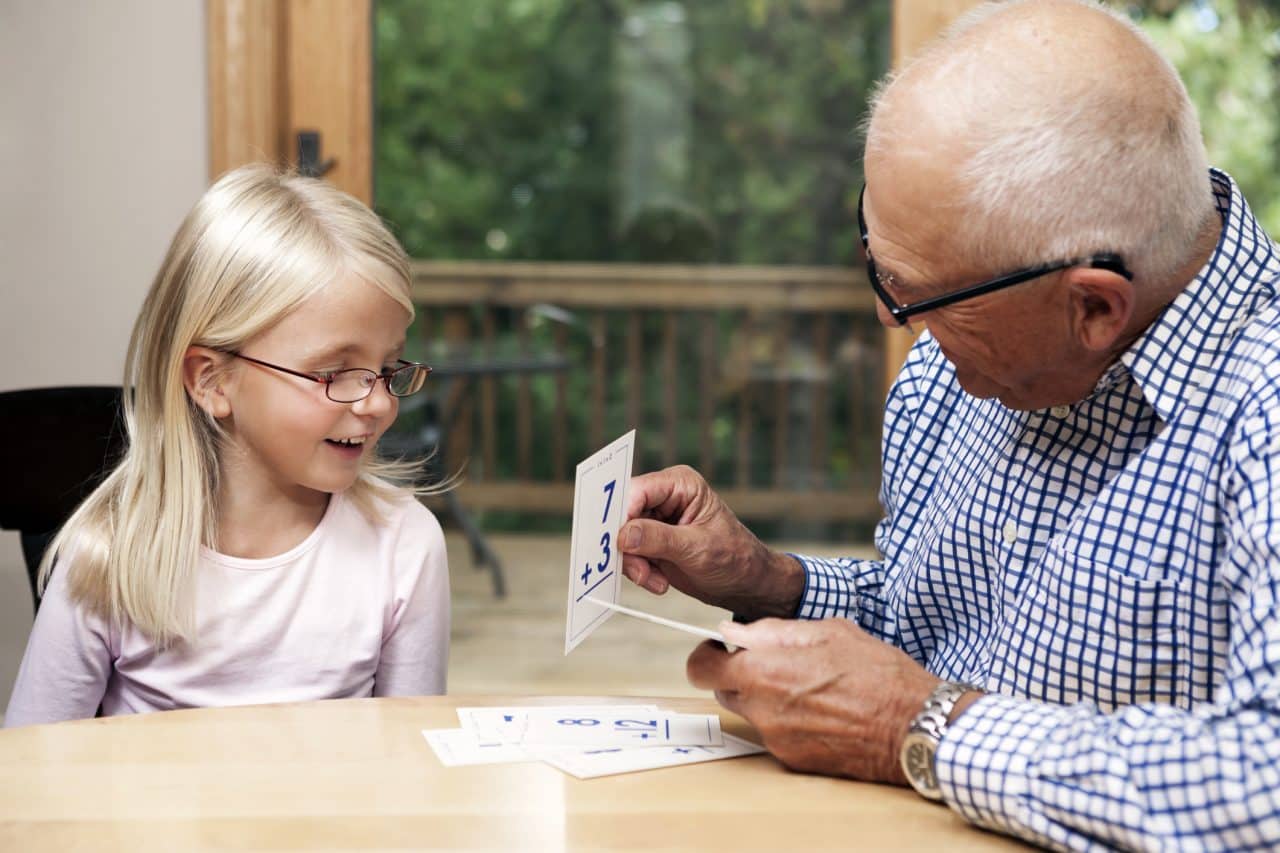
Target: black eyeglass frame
327,379
903,313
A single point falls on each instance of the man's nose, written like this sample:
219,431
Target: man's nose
885,318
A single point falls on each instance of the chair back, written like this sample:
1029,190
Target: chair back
56,446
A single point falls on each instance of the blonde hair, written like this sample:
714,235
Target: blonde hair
256,246
1075,136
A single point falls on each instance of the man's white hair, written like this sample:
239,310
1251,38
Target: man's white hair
1070,140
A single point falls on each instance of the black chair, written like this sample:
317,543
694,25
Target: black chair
56,445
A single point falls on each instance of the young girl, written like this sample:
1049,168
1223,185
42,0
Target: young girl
246,549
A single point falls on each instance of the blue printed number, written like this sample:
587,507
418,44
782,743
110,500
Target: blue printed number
643,729
604,543
579,722
603,565
635,725
609,500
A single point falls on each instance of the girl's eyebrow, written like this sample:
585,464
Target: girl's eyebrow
337,351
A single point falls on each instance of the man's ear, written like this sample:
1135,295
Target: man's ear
1102,304
204,376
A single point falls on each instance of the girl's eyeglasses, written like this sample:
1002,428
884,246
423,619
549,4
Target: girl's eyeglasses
353,385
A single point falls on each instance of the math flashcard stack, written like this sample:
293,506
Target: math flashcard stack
585,741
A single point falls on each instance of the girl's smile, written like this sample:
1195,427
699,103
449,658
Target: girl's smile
287,440
349,448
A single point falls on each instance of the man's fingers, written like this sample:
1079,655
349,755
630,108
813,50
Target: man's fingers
648,491
772,632
735,634
707,667
643,573
666,494
730,700
636,569
658,540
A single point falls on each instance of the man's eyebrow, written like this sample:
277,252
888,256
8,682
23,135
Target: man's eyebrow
891,280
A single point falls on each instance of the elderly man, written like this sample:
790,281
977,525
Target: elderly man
1072,635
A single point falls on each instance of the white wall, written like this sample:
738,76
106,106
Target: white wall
103,148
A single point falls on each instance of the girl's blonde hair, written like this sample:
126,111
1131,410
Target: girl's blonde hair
256,246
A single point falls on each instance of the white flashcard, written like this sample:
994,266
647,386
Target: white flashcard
595,565
606,762
608,727
659,620
457,747
495,725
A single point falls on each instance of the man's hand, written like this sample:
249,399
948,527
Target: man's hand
681,534
825,696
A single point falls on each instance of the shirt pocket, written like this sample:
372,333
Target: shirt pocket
1082,631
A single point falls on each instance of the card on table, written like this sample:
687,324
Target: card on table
458,747
606,762
499,724
595,566
611,727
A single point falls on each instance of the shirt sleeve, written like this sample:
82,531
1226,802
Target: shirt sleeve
844,587
1153,776
1145,777
852,588
414,658
67,665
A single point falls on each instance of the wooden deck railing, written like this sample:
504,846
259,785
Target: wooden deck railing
767,379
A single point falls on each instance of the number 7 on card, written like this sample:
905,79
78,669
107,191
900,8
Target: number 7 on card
595,565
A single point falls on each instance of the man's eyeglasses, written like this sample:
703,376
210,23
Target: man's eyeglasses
353,385
903,313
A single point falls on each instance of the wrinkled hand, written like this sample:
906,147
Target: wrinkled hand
681,534
826,696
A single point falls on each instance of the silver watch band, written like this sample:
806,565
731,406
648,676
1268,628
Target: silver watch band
925,733
938,707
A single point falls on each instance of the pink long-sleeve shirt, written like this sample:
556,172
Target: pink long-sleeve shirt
357,609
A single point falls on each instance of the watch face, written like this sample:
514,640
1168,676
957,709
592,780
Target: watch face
917,763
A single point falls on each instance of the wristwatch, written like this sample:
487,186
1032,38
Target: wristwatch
924,735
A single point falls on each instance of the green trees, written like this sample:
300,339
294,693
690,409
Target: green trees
1228,54
705,131
719,130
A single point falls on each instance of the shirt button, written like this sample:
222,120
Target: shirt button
1060,411
1010,532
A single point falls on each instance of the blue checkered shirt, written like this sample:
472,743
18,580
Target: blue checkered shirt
1109,571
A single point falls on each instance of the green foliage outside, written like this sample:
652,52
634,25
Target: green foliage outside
721,131
617,130
1229,57
502,126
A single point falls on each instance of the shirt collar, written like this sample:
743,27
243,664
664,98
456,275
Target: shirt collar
1177,353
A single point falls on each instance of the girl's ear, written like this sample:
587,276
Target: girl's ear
204,378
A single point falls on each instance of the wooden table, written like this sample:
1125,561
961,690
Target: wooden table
358,775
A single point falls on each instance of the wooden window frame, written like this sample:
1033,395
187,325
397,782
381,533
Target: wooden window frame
277,67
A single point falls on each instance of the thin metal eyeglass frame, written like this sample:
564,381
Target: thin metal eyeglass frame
328,380
903,313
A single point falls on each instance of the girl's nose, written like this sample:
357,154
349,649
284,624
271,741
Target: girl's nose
379,403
